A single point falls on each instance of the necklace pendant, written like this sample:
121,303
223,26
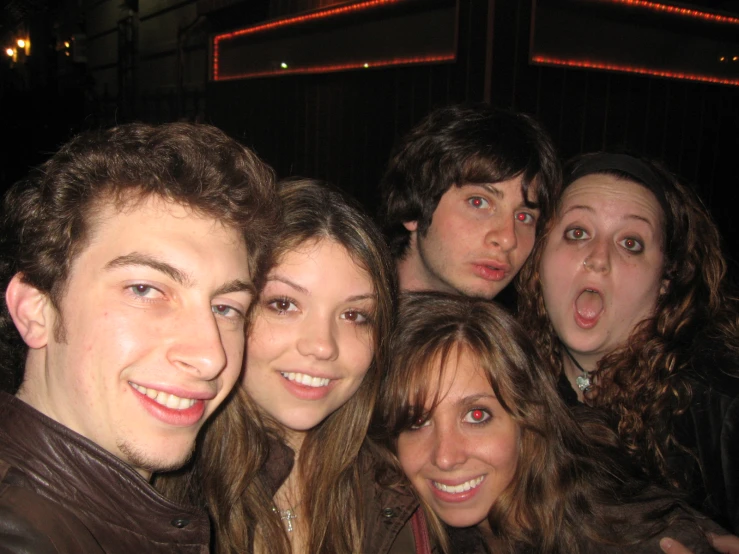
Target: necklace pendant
583,382
287,516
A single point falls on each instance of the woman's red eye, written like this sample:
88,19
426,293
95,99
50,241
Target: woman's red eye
477,415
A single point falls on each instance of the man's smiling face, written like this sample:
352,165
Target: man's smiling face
149,335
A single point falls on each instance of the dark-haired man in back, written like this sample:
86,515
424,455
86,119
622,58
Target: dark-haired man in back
463,197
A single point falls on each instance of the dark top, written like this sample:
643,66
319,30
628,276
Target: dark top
388,512
709,429
61,493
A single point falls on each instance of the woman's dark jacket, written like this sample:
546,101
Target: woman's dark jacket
709,430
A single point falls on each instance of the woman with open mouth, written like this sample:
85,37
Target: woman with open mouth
498,460
625,296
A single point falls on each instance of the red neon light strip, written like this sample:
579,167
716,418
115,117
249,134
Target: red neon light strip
695,14
303,18
340,67
369,4
632,69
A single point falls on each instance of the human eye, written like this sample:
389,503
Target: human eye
142,290
576,233
477,415
632,245
478,202
227,311
281,305
526,218
358,317
420,423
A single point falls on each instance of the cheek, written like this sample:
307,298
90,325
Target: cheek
410,454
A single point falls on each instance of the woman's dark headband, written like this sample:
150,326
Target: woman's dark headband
637,170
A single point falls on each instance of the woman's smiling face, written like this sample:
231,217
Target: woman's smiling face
311,343
465,453
602,267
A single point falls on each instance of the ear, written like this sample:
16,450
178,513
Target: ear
411,225
27,306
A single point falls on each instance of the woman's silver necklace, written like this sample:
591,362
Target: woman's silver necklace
287,516
582,381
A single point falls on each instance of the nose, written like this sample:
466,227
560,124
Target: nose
503,234
448,450
318,338
197,346
598,260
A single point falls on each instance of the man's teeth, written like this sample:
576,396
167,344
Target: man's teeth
306,380
165,399
463,487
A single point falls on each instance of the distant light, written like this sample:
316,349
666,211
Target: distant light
21,43
67,54
66,44
722,59
734,58
283,65
9,52
366,65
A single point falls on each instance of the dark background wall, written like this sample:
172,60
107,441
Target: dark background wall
342,126
149,61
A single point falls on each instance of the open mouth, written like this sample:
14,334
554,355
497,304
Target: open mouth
306,380
589,306
462,487
165,399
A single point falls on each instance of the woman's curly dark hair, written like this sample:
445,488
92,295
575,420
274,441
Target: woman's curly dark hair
645,382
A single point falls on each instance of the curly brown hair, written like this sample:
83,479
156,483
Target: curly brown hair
646,382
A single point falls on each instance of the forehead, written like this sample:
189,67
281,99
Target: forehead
612,194
453,374
156,225
318,257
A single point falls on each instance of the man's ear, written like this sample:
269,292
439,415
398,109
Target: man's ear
411,225
27,306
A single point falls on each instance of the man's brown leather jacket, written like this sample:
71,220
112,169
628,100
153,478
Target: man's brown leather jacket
61,493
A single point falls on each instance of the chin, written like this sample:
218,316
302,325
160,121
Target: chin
454,518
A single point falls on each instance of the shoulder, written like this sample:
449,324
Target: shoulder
33,524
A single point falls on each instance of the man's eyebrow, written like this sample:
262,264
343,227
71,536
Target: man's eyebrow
136,258
237,285
492,189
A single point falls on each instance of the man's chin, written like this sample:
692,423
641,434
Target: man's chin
152,462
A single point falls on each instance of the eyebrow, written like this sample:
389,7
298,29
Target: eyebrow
303,290
492,189
591,210
146,260
174,273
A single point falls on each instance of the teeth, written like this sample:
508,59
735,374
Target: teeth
165,399
463,487
306,380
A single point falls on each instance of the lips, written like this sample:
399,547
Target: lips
458,489
165,399
305,379
491,271
588,308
